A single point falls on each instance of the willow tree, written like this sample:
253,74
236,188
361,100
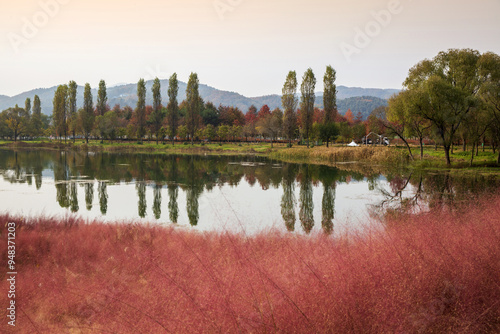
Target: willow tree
490,91
140,111
450,84
172,107
307,102
193,105
289,102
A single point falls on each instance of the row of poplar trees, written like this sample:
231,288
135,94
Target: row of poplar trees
67,119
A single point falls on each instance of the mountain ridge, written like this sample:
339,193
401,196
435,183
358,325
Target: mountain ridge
125,94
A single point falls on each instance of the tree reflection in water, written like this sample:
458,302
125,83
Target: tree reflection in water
89,195
140,186
157,201
103,196
197,175
288,198
306,199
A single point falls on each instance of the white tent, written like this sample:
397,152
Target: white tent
352,144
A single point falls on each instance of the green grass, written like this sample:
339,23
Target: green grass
485,162
459,158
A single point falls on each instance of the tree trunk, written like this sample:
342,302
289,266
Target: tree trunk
421,148
464,148
447,155
472,154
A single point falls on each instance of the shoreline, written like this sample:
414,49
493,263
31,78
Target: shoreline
374,157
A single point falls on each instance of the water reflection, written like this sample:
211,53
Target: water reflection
299,187
288,198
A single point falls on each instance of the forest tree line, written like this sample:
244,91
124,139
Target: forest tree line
450,99
190,120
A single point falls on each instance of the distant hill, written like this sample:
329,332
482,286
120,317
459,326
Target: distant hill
125,94
347,92
363,104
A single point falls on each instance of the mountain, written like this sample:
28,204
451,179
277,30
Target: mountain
347,92
125,94
363,104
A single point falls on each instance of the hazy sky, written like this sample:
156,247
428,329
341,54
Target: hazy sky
247,46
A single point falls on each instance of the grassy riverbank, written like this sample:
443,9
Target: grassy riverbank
486,161
435,273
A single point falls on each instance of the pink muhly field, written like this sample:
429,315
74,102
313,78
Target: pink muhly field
436,272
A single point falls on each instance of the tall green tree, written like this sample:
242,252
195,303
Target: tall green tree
157,116
172,107
87,113
193,105
36,118
140,111
102,98
27,116
27,106
60,111
450,83
329,95
307,103
490,91
72,115
289,102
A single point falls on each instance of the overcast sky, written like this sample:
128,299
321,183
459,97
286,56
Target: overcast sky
246,46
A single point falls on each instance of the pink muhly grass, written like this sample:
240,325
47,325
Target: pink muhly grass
433,272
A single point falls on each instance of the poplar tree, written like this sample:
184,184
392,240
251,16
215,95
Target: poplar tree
102,98
72,90
27,106
307,102
36,117
193,105
289,102
60,111
141,109
27,115
156,118
329,95
328,130
172,107
87,113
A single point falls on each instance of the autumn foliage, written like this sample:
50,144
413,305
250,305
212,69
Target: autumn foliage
437,272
